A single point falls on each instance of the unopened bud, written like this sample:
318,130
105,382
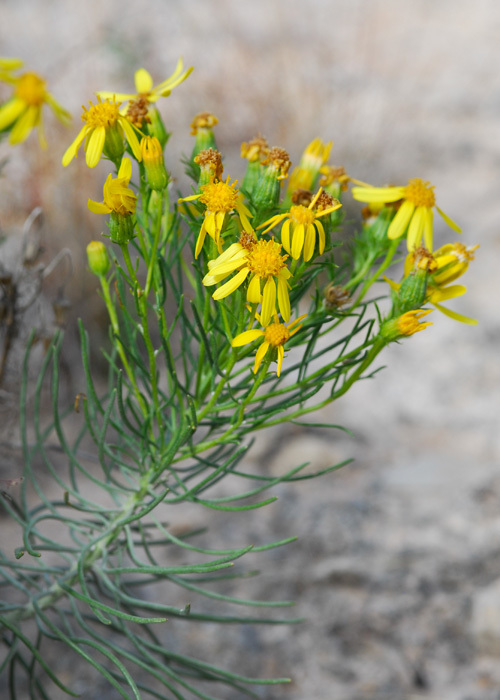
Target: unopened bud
405,325
152,158
98,258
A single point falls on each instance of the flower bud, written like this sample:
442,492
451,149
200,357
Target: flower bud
98,258
152,158
413,290
255,151
201,128
274,169
405,325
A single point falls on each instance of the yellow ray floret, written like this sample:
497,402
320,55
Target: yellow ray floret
415,214
274,336
314,157
220,198
298,232
102,120
263,263
117,195
23,112
144,85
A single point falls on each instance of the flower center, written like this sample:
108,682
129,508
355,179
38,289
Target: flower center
137,111
219,196
102,114
464,253
420,193
276,334
264,259
301,215
31,89
205,120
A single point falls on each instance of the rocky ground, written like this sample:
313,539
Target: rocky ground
397,566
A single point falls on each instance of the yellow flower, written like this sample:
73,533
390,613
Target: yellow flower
23,112
144,85
118,197
405,325
415,214
103,131
299,230
451,261
314,157
409,323
262,260
220,198
274,336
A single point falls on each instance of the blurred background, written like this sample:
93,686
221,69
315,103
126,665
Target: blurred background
397,567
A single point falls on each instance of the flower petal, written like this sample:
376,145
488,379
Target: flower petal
117,96
400,222
416,228
453,290
247,337
283,298
94,146
143,81
456,316
428,227
125,170
377,195
260,356
23,126
450,222
281,355
232,285
268,301
253,292
321,236
98,207
285,235
297,241
309,242
131,137
73,149
10,111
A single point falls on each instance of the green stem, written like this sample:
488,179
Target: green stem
119,346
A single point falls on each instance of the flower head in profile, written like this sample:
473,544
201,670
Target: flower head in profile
146,93
118,198
23,111
407,324
274,335
264,264
314,157
415,213
301,224
103,132
220,198
449,263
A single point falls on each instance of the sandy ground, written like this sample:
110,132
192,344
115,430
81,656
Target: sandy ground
396,550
